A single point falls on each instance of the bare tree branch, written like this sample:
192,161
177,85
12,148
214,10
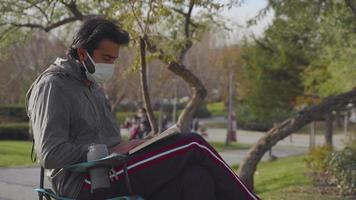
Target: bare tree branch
132,5
145,91
53,8
263,44
188,19
48,27
198,96
38,8
188,42
7,31
148,16
73,8
184,14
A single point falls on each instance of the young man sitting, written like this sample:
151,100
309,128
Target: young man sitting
68,111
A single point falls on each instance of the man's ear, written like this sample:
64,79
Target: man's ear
83,58
82,54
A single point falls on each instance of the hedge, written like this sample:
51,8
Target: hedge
14,131
12,113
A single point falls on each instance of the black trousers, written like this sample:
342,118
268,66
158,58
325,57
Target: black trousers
182,167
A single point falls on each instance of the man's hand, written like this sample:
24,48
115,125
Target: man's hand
126,146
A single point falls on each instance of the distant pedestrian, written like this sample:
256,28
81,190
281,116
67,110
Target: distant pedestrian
145,126
195,125
164,122
135,128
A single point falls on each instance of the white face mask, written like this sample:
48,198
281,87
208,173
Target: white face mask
103,71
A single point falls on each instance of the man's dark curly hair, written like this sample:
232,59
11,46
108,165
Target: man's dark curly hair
92,32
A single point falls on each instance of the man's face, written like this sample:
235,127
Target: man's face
107,52
141,113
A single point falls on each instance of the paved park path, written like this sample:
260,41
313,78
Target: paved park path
18,183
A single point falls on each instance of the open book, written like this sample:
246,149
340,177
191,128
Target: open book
165,134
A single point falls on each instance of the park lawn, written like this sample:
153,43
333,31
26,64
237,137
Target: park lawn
15,153
217,109
220,146
121,116
286,179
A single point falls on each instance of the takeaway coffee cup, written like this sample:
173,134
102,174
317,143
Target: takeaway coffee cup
99,177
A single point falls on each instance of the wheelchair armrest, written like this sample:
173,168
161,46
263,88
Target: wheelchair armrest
108,161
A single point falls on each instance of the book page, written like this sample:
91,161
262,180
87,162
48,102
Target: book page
167,133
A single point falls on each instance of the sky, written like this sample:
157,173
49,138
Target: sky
240,15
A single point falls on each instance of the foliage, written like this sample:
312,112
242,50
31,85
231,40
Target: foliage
307,52
334,70
164,23
342,166
316,38
274,64
217,109
14,131
248,119
202,111
12,113
272,85
316,158
167,28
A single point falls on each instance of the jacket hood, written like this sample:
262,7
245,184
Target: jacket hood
69,67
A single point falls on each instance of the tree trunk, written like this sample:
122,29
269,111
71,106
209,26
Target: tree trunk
145,92
229,117
199,94
199,91
329,129
339,119
118,99
307,115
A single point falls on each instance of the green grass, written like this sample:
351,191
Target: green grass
14,125
15,153
220,146
286,179
286,172
121,116
215,125
217,109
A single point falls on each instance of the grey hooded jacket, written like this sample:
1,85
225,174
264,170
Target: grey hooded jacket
67,116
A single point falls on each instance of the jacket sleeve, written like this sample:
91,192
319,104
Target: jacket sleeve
50,118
